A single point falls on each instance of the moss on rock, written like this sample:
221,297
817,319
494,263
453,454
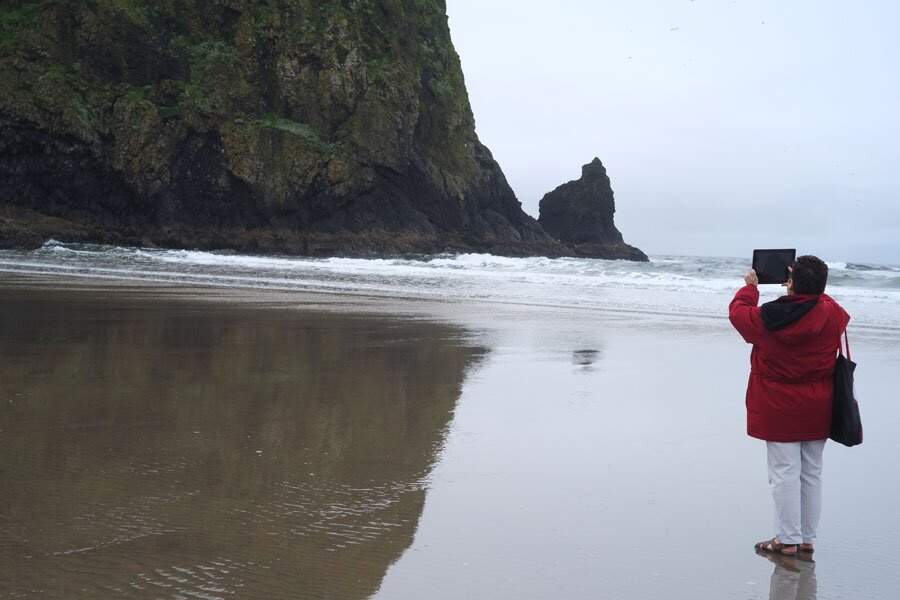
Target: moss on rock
335,118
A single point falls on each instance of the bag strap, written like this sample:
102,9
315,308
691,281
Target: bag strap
847,341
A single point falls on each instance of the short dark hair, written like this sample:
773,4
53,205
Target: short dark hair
809,274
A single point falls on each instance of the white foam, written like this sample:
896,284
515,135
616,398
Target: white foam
701,285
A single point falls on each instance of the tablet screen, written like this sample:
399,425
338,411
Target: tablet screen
772,265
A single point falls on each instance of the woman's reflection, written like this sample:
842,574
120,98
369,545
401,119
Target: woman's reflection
794,578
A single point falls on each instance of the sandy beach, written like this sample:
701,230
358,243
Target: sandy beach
159,441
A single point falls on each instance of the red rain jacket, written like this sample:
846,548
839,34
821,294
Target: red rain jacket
790,389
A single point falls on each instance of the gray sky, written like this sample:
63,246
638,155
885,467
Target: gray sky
724,125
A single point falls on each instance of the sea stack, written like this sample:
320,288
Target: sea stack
580,215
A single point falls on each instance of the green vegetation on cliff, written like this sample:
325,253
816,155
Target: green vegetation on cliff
280,120
345,71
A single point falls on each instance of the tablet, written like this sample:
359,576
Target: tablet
771,266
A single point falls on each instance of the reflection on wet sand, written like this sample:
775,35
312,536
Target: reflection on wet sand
153,448
585,359
793,578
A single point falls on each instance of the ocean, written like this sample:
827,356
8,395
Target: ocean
678,285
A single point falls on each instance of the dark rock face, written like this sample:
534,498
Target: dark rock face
326,127
13,237
580,214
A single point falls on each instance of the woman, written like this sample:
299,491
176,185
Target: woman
795,340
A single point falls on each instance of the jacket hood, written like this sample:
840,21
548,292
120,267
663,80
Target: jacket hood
800,316
780,313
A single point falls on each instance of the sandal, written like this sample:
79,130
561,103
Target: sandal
777,547
803,550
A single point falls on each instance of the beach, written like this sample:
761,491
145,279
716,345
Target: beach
161,440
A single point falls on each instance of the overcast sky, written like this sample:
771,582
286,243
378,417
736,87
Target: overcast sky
724,125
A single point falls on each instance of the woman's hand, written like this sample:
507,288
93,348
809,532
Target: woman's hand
750,278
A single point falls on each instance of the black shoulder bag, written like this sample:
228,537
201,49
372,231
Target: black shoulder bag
846,426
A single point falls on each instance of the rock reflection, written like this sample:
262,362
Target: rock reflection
165,449
793,578
585,359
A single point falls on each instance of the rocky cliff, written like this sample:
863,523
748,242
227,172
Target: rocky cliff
302,126
580,215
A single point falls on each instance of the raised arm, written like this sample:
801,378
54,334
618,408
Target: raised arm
743,312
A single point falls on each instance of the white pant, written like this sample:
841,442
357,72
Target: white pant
795,476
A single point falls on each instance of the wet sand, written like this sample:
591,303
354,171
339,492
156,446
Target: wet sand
158,442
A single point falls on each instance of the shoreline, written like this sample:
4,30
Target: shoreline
476,316
471,313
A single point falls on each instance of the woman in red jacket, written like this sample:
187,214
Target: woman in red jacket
795,340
